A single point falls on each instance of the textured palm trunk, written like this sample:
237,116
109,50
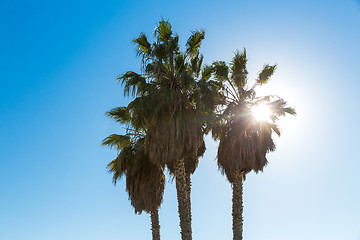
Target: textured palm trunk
237,207
183,200
155,225
188,189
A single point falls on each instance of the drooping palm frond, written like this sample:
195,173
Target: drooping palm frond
174,138
117,141
134,84
145,188
144,180
120,165
116,170
120,114
191,162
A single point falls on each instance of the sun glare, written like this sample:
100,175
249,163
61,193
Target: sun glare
261,112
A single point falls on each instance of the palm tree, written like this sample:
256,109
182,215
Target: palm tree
144,180
171,103
244,141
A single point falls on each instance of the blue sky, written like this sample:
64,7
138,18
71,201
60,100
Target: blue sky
58,62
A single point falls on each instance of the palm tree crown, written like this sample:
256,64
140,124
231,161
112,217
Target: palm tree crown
174,92
144,180
244,141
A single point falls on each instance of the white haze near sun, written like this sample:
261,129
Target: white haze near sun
261,112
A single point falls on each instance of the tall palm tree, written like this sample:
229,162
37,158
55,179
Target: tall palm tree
244,141
170,102
144,180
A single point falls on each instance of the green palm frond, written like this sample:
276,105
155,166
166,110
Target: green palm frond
159,51
265,74
163,31
221,70
180,64
194,42
188,82
143,47
141,109
173,45
120,114
133,83
238,69
196,64
206,72
117,141
122,164
115,168
155,69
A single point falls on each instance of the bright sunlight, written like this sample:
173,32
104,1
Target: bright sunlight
261,112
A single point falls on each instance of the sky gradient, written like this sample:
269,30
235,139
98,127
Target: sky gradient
58,62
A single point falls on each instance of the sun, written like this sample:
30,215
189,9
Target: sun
261,112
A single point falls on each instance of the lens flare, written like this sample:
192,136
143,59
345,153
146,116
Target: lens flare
261,112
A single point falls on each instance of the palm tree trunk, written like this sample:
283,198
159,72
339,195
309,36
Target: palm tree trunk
237,207
182,197
155,226
188,189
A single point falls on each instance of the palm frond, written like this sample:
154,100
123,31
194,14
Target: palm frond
133,83
163,31
117,141
180,63
120,114
194,42
274,128
143,47
265,74
115,168
221,70
206,72
279,108
238,69
196,64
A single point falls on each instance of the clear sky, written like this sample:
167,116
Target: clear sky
58,62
